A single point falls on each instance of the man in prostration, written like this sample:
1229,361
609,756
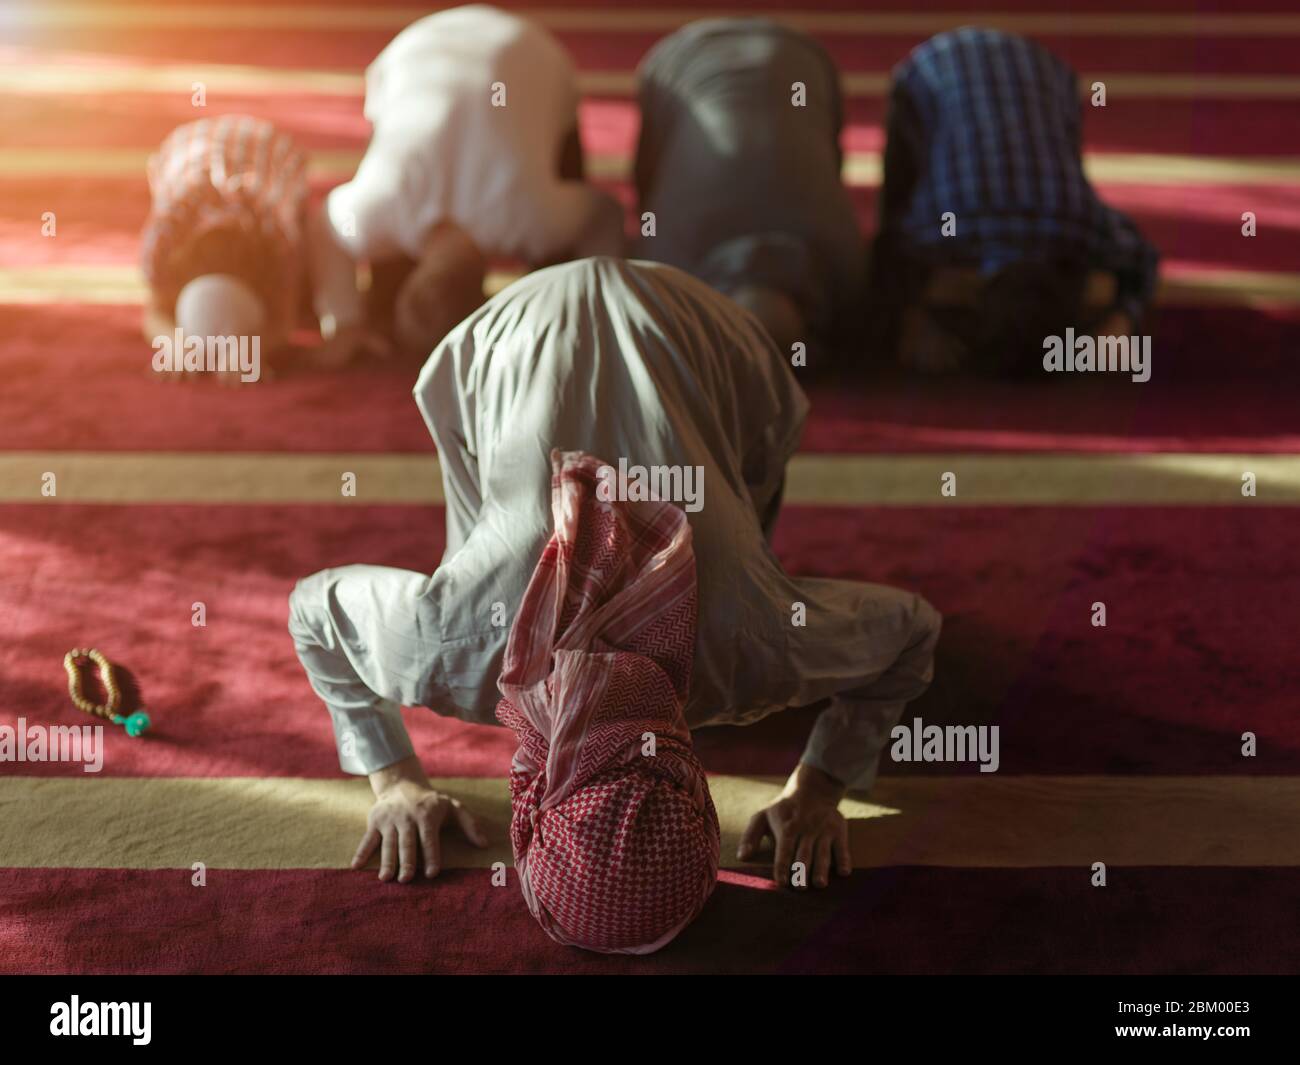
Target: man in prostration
991,238
636,364
475,155
739,163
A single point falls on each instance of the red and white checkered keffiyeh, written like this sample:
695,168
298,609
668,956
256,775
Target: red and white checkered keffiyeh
616,848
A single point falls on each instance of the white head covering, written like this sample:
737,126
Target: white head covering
218,305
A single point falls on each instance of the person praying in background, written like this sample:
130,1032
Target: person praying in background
739,162
475,154
638,364
990,236
222,250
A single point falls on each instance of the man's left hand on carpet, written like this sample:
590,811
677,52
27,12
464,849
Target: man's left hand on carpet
806,826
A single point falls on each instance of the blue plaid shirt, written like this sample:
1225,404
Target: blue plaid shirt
985,125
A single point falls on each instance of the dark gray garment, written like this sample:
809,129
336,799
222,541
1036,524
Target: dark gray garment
744,185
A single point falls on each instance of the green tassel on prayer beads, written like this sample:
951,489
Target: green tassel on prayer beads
133,723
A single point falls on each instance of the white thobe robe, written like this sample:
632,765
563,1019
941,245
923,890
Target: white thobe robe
633,361
470,108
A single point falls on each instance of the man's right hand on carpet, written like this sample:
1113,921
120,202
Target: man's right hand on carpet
406,821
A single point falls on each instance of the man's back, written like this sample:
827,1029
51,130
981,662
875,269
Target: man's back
996,119
739,159
626,361
983,170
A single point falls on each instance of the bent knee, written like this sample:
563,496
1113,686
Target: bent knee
306,602
927,623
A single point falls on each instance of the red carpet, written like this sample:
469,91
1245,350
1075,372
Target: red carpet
889,921
1204,232
1199,646
1200,601
1209,128
1225,382
596,50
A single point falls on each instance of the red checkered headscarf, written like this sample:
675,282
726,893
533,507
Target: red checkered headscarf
614,833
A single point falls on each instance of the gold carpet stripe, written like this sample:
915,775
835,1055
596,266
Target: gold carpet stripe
28,78
1041,480
1231,288
813,479
642,20
861,169
967,822
22,78
112,284
112,162
121,284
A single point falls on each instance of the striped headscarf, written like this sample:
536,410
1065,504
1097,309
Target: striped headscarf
228,196
614,832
